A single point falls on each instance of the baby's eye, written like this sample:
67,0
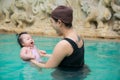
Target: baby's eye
28,38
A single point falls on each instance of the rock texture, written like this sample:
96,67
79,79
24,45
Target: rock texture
92,18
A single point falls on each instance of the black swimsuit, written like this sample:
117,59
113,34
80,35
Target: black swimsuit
74,61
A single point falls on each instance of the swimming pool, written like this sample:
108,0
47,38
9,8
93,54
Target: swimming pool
102,58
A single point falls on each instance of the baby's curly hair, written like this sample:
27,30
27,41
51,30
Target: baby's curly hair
19,40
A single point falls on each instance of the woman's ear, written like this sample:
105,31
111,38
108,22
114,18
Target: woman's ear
60,22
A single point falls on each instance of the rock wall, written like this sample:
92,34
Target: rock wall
92,18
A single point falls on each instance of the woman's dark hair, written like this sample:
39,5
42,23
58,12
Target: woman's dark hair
63,13
69,25
19,40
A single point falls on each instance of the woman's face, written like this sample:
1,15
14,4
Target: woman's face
56,26
27,40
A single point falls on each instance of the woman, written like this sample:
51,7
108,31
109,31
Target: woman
69,52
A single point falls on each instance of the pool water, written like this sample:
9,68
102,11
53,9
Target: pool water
102,58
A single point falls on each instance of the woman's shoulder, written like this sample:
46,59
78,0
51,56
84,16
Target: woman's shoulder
62,42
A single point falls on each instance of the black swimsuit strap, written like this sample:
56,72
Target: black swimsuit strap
73,44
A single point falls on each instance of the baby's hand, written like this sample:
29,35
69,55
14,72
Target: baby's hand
42,52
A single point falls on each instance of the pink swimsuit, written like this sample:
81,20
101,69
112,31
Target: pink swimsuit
36,54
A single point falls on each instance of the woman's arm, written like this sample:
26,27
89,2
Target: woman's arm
61,50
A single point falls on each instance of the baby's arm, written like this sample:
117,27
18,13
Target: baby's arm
26,54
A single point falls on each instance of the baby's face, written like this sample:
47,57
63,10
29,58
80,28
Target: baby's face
27,40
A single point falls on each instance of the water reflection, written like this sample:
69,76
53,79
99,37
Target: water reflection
70,75
29,71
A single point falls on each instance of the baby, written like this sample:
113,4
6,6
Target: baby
28,49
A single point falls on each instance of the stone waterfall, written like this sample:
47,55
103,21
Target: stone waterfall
92,18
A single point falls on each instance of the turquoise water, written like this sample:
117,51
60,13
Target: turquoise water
102,58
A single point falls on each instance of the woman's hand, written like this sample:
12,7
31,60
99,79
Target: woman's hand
42,65
34,61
